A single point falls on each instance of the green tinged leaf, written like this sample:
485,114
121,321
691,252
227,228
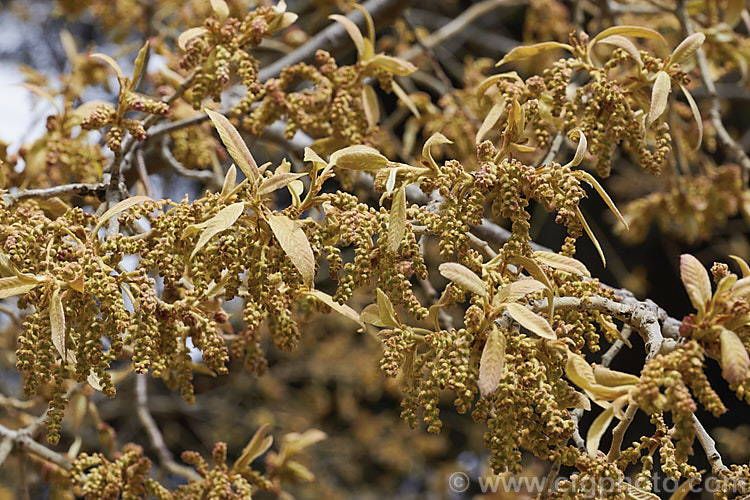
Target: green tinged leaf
342,309
220,222
120,207
463,277
492,362
531,321
527,51
358,157
697,283
734,358
397,220
562,262
659,97
597,429
139,62
293,241
235,145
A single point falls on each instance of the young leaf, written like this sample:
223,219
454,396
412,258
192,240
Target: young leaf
16,285
120,207
524,52
221,221
744,267
579,371
687,48
624,44
220,8
277,181
591,235
463,277
599,189
612,378
139,62
580,150
530,321
696,115
492,117
697,283
533,268
493,79
111,62
637,31
342,309
235,145
353,30
385,308
188,35
435,139
492,362
358,158
370,106
394,65
513,292
294,242
734,358
659,97
562,262
404,97
397,220
57,323
598,428
257,446
230,181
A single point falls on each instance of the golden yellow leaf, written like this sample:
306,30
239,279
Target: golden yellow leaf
463,277
110,62
370,106
599,189
591,235
257,446
435,139
294,242
734,358
385,309
235,145
188,35
687,48
16,285
358,157
562,262
697,283
490,120
120,207
221,221
342,309
659,97
743,265
277,181
524,52
397,220
492,362
637,31
517,290
612,378
140,60
404,97
393,65
491,80
530,320
624,44
597,429
353,30
696,115
579,371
